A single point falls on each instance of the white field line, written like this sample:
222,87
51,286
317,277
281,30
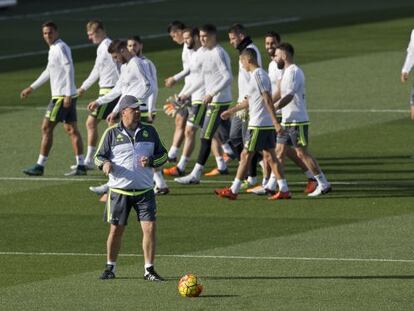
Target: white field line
215,257
22,107
156,35
209,181
82,9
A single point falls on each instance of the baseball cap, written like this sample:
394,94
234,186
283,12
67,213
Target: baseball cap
128,101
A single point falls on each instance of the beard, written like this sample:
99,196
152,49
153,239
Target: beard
191,45
280,64
271,52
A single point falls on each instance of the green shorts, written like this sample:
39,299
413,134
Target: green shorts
294,135
104,110
55,111
144,117
259,139
212,119
120,202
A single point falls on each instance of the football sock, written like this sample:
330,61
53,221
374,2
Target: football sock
321,179
146,266
252,180
227,149
271,184
182,163
221,164
113,264
283,187
41,160
90,154
159,180
235,187
80,160
173,152
309,174
197,170
265,180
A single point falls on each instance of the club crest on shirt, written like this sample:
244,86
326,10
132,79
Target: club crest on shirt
145,134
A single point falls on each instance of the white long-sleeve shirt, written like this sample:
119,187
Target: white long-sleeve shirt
409,59
244,76
133,81
185,57
217,74
59,71
105,68
259,83
152,76
195,83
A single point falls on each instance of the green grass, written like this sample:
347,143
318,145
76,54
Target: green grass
251,254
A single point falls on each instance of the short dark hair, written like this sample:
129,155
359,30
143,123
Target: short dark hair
250,53
192,30
135,38
50,24
209,28
287,48
273,34
175,25
237,29
116,46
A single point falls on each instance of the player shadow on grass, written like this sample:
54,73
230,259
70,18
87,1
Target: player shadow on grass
328,277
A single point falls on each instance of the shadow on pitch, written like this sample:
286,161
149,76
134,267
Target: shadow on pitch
333,277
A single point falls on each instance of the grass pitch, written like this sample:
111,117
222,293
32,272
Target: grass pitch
350,250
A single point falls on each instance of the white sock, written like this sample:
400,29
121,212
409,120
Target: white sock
197,170
173,152
41,160
265,180
221,164
235,187
113,264
283,187
80,160
252,180
321,179
146,266
90,154
159,180
309,174
183,163
227,149
271,184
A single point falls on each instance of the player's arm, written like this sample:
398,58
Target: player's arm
229,112
224,69
270,108
160,152
112,95
409,60
69,73
91,79
103,153
42,79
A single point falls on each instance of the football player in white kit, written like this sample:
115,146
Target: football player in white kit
295,121
408,65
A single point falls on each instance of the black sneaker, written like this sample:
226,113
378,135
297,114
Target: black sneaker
35,170
171,160
151,275
108,273
80,170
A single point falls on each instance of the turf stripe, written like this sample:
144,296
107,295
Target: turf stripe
217,257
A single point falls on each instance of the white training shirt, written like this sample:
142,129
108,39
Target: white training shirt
217,74
185,57
259,83
293,83
409,59
133,80
105,68
195,83
275,75
244,75
59,71
152,76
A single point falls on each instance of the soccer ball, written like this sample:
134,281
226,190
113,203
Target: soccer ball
189,286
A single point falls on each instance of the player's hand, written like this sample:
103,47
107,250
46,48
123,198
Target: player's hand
207,99
81,91
225,115
278,128
111,118
26,92
92,106
107,168
183,97
169,82
144,161
404,76
67,101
